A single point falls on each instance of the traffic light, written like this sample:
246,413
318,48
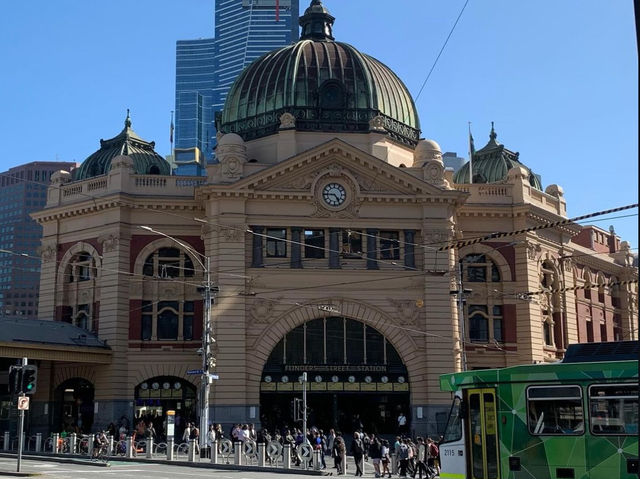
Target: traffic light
15,379
29,379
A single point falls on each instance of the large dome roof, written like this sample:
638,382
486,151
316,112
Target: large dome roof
326,85
145,160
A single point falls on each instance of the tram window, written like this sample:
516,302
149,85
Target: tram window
453,430
613,409
555,410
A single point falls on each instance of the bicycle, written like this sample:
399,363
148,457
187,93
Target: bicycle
102,454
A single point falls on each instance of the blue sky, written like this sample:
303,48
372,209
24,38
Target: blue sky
558,77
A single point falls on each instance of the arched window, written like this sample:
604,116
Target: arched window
81,267
166,263
477,268
485,323
167,320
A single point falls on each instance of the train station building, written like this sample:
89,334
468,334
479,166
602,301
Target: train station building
338,244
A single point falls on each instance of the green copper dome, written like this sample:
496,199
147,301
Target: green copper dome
492,163
326,85
145,160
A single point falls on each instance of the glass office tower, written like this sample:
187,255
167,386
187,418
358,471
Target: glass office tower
23,190
206,69
194,97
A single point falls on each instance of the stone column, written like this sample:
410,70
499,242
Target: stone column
296,248
372,249
334,248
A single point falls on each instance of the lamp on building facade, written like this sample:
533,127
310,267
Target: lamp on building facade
208,361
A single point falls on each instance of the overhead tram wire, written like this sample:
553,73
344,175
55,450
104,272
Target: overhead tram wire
424,83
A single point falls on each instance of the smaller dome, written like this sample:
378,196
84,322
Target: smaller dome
492,163
230,139
145,160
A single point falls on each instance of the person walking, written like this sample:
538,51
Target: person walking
357,451
375,453
385,458
339,451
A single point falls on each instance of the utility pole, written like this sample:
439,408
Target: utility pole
460,292
304,406
20,420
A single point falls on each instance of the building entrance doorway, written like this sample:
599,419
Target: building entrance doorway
157,395
74,406
356,378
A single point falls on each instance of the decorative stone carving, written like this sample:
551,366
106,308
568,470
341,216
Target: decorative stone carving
122,162
232,233
350,211
48,252
60,177
287,121
406,310
434,173
377,123
262,310
232,155
534,250
426,151
335,170
231,167
370,185
109,243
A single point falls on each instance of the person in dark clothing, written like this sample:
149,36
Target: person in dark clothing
357,451
339,451
375,453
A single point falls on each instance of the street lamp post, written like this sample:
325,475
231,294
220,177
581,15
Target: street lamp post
208,361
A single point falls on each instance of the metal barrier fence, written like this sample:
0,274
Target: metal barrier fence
249,453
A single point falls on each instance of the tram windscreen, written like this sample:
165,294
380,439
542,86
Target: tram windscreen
453,431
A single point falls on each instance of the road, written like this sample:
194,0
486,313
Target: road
139,470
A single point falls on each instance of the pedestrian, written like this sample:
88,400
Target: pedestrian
402,423
403,456
357,451
375,453
421,459
339,451
385,458
331,438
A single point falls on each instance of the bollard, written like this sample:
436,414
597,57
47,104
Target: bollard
72,443
286,456
261,455
130,446
317,462
7,438
344,464
192,450
170,449
214,452
110,442
149,448
394,464
90,445
237,454
39,442
55,439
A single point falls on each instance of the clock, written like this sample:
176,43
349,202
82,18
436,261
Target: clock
334,194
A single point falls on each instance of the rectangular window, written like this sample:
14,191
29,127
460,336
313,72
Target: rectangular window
389,245
187,320
613,409
478,323
352,244
497,323
314,243
555,410
276,247
147,320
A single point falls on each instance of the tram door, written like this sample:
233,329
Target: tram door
483,434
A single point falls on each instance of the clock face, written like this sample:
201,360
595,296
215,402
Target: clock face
334,194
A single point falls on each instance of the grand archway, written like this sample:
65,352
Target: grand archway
74,406
355,375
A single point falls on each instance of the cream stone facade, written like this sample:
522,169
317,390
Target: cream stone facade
335,252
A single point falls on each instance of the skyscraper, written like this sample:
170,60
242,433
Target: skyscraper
206,68
194,97
23,190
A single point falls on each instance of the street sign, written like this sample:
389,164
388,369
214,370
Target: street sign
305,451
274,450
249,448
195,371
214,376
23,403
225,447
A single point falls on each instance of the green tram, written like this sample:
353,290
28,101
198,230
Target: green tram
576,419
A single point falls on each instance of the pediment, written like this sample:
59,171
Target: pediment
336,159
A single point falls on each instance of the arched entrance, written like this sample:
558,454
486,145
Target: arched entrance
354,376
157,395
74,406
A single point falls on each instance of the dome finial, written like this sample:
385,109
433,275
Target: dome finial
316,23
127,121
493,135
